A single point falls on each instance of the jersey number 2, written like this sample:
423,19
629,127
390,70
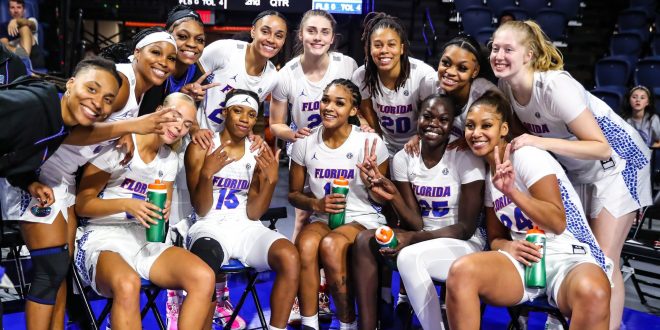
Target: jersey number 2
521,222
439,208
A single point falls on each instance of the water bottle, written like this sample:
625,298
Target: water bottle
385,237
535,273
339,186
157,195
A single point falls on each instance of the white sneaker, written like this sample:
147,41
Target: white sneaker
551,323
294,317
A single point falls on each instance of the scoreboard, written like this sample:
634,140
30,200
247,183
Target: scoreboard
339,6
284,6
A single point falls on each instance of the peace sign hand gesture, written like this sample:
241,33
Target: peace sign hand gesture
371,176
196,90
504,175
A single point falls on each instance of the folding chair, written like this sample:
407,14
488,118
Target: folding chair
539,304
11,238
149,289
442,297
640,248
236,267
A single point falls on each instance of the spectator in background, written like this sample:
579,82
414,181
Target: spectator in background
639,113
11,67
20,34
506,17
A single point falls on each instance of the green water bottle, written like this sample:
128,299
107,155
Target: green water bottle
339,186
157,195
385,237
535,274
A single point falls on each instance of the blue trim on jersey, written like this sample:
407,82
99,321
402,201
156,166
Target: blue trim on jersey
624,145
47,251
376,206
25,201
79,258
576,224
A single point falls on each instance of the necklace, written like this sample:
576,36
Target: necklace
174,85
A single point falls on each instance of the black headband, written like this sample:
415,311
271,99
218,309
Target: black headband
184,13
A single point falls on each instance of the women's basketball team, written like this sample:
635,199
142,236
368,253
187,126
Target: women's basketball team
459,167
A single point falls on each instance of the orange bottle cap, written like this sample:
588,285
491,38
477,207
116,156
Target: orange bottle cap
157,185
384,233
340,182
536,230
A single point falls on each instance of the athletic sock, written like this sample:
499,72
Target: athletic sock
402,298
348,326
220,290
522,321
270,327
311,322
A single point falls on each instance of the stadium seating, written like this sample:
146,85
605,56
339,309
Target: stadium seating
476,18
552,22
647,72
626,43
533,6
612,71
569,8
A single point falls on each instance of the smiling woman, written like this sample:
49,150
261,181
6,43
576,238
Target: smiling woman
390,78
113,251
346,146
237,64
88,99
317,65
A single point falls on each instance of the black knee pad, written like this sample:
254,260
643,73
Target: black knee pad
210,251
49,268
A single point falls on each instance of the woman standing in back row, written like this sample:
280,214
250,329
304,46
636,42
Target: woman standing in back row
390,81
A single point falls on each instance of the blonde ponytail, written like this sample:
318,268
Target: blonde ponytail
545,56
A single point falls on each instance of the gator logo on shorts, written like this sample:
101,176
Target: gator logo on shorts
40,211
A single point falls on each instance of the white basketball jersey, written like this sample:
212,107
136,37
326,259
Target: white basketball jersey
230,187
225,59
304,96
324,165
397,110
530,165
438,189
132,180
